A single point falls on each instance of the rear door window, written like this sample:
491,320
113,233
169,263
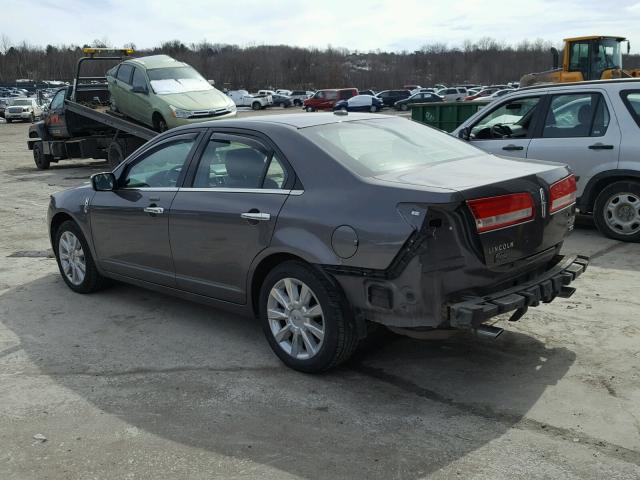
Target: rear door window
576,115
232,162
631,99
124,73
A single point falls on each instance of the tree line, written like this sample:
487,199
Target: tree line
254,67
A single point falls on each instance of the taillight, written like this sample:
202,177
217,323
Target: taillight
563,193
498,212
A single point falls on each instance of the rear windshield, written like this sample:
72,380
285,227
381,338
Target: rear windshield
373,147
176,80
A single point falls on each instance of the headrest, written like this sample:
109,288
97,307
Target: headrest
584,114
245,163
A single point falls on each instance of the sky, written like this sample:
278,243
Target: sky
361,25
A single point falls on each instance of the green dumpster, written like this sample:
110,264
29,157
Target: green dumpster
446,116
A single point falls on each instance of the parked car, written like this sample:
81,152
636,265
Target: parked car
493,96
367,92
242,98
281,91
390,97
485,92
282,100
163,93
299,96
326,99
266,92
417,98
592,126
437,234
359,103
22,109
452,94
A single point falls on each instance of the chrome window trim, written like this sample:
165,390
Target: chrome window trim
150,189
272,191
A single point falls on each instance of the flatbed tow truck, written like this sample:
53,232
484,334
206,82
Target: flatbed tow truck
78,123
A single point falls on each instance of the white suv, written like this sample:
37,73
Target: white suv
594,127
22,109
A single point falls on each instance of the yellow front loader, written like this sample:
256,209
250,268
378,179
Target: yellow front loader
585,58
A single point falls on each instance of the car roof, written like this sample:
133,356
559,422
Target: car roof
295,120
581,84
156,61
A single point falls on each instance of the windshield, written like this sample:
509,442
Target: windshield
608,54
176,80
373,147
21,102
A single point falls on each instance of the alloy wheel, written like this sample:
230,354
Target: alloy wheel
622,213
72,258
295,318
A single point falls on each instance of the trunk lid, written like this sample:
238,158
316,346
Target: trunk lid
486,176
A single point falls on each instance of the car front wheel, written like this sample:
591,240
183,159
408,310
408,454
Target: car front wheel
75,262
617,211
306,319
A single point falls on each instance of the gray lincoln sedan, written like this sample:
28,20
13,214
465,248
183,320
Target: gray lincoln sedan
321,225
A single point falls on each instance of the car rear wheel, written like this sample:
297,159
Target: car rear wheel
42,161
75,262
297,103
309,109
617,211
256,106
306,319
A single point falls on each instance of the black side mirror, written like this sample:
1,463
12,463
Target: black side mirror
103,182
465,133
140,89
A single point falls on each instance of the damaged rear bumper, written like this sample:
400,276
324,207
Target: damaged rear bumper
473,311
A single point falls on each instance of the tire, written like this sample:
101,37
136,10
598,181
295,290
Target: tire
42,161
115,155
8,120
309,109
616,211
159,123
92,281
297,103
339,339
256,106
404,107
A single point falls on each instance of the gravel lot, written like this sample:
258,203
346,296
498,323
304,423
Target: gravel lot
128,383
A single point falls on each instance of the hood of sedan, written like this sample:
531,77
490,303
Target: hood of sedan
467,172
204,100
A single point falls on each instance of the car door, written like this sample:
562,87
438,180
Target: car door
55,120
579,130
139,100
121,86
507,128
219,224
130,225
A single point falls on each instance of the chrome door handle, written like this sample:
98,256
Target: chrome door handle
600,146
156,210
513,147
260,217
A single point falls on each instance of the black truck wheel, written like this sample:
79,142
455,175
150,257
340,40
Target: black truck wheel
42,161
115,155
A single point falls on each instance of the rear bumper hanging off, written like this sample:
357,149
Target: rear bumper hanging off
473,311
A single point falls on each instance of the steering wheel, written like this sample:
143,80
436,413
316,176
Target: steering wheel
167,178
500,131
